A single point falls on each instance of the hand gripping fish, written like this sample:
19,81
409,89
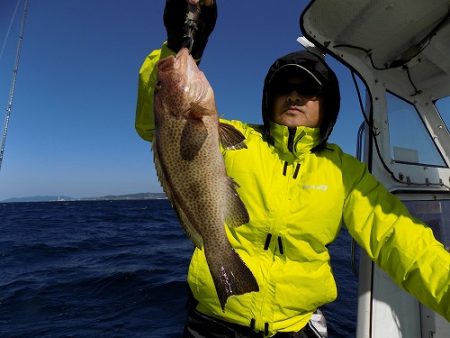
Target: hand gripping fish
191,169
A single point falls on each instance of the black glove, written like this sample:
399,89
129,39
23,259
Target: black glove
174,20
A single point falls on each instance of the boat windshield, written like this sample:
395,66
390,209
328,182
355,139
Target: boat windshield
443,106
410,141
435,214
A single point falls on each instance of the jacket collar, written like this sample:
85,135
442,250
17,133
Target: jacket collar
292,144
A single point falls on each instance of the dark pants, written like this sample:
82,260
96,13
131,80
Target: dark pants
199,325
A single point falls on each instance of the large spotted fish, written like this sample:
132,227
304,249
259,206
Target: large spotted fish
191,169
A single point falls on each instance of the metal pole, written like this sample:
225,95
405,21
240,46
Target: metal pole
13,82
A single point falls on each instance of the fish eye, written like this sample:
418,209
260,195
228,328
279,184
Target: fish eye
158,86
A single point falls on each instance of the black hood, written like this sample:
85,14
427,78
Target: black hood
315,67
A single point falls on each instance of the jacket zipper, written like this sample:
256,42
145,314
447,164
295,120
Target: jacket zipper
269,236
291,137
290,146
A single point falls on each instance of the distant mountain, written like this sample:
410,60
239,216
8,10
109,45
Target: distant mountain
38,199
139,196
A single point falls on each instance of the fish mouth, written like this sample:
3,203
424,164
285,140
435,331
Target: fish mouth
173,62
182,53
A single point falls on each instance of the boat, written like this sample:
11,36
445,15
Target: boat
399,55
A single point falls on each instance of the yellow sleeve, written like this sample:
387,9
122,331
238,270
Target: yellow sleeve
400,244
145,121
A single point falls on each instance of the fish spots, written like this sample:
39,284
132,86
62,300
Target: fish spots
192,171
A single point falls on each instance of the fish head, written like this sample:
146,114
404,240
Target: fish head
182,89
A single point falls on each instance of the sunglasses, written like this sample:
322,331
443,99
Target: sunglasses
308,89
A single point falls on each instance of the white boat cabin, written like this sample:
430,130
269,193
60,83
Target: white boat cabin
399,51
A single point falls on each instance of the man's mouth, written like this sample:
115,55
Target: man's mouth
294,108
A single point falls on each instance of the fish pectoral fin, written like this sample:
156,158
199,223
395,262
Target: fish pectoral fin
235,211
230,137
230,275
192,138
197,111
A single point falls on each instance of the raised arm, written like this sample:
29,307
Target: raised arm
175,17
400,244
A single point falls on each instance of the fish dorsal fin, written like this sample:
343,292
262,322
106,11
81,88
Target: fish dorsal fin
230,137
235,211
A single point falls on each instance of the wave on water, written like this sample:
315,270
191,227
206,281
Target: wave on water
105,269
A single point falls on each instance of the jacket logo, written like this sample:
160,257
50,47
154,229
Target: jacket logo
321,187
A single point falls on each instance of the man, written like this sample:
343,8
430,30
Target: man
297,188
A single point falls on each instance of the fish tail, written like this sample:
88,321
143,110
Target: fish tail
231,276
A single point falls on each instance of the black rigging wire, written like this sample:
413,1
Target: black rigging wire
373,135
402,61
409,53
408,73
368,53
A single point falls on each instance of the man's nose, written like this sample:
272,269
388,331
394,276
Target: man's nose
295,97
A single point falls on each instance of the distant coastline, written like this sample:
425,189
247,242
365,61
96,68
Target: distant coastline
138,196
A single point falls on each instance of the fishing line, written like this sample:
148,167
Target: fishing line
13,82
2,50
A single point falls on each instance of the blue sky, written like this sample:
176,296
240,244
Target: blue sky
72,126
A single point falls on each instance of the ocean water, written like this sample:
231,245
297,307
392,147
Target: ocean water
112,269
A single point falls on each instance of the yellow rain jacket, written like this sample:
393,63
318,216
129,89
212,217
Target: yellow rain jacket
296,201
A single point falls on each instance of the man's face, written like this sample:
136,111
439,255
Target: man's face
297,102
